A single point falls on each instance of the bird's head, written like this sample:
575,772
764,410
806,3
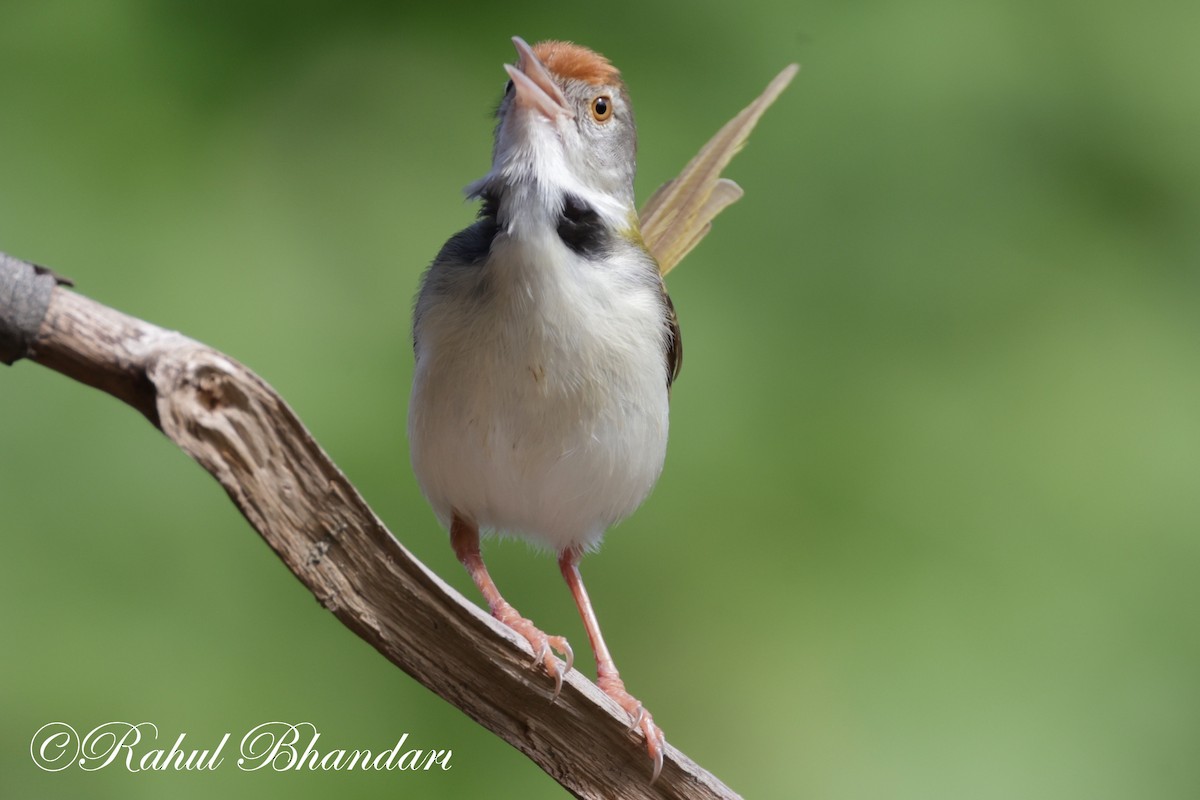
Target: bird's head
565,135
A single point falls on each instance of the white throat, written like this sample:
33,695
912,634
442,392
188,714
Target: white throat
532,173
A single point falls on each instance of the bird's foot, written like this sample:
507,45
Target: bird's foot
544,647
656,743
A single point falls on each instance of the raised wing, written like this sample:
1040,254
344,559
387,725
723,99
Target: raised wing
681,211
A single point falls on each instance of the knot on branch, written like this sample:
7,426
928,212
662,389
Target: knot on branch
207,402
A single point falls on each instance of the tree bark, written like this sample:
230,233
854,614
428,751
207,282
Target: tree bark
237,427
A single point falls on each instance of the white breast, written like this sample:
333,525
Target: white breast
539,402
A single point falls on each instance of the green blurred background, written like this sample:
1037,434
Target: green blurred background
928,525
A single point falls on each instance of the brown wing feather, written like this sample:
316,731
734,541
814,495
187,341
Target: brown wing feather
674,341
679,213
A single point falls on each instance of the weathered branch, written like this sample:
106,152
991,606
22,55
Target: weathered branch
231,422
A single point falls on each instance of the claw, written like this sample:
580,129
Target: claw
558,678
657,755
544,647
568,652
656,743
560,645
638,716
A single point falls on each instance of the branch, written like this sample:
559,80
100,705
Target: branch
232,423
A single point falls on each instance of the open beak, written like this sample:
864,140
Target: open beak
535,87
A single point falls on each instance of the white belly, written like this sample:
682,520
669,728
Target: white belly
539,402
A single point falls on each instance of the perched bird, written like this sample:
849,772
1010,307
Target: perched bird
546,345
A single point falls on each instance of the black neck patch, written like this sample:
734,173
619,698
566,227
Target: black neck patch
580,228
491,205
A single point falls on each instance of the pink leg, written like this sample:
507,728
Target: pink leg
606,671
464,537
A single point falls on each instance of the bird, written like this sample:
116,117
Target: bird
546,347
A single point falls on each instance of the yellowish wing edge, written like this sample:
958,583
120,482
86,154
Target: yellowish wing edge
680,212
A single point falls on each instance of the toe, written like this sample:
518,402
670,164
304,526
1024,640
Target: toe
563,647
544,647
637,715
656,743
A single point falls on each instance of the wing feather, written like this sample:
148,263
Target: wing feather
680,212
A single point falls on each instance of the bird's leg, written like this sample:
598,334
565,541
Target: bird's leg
464,537
607,676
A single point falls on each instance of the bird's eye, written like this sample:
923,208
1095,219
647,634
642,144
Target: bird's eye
602,108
